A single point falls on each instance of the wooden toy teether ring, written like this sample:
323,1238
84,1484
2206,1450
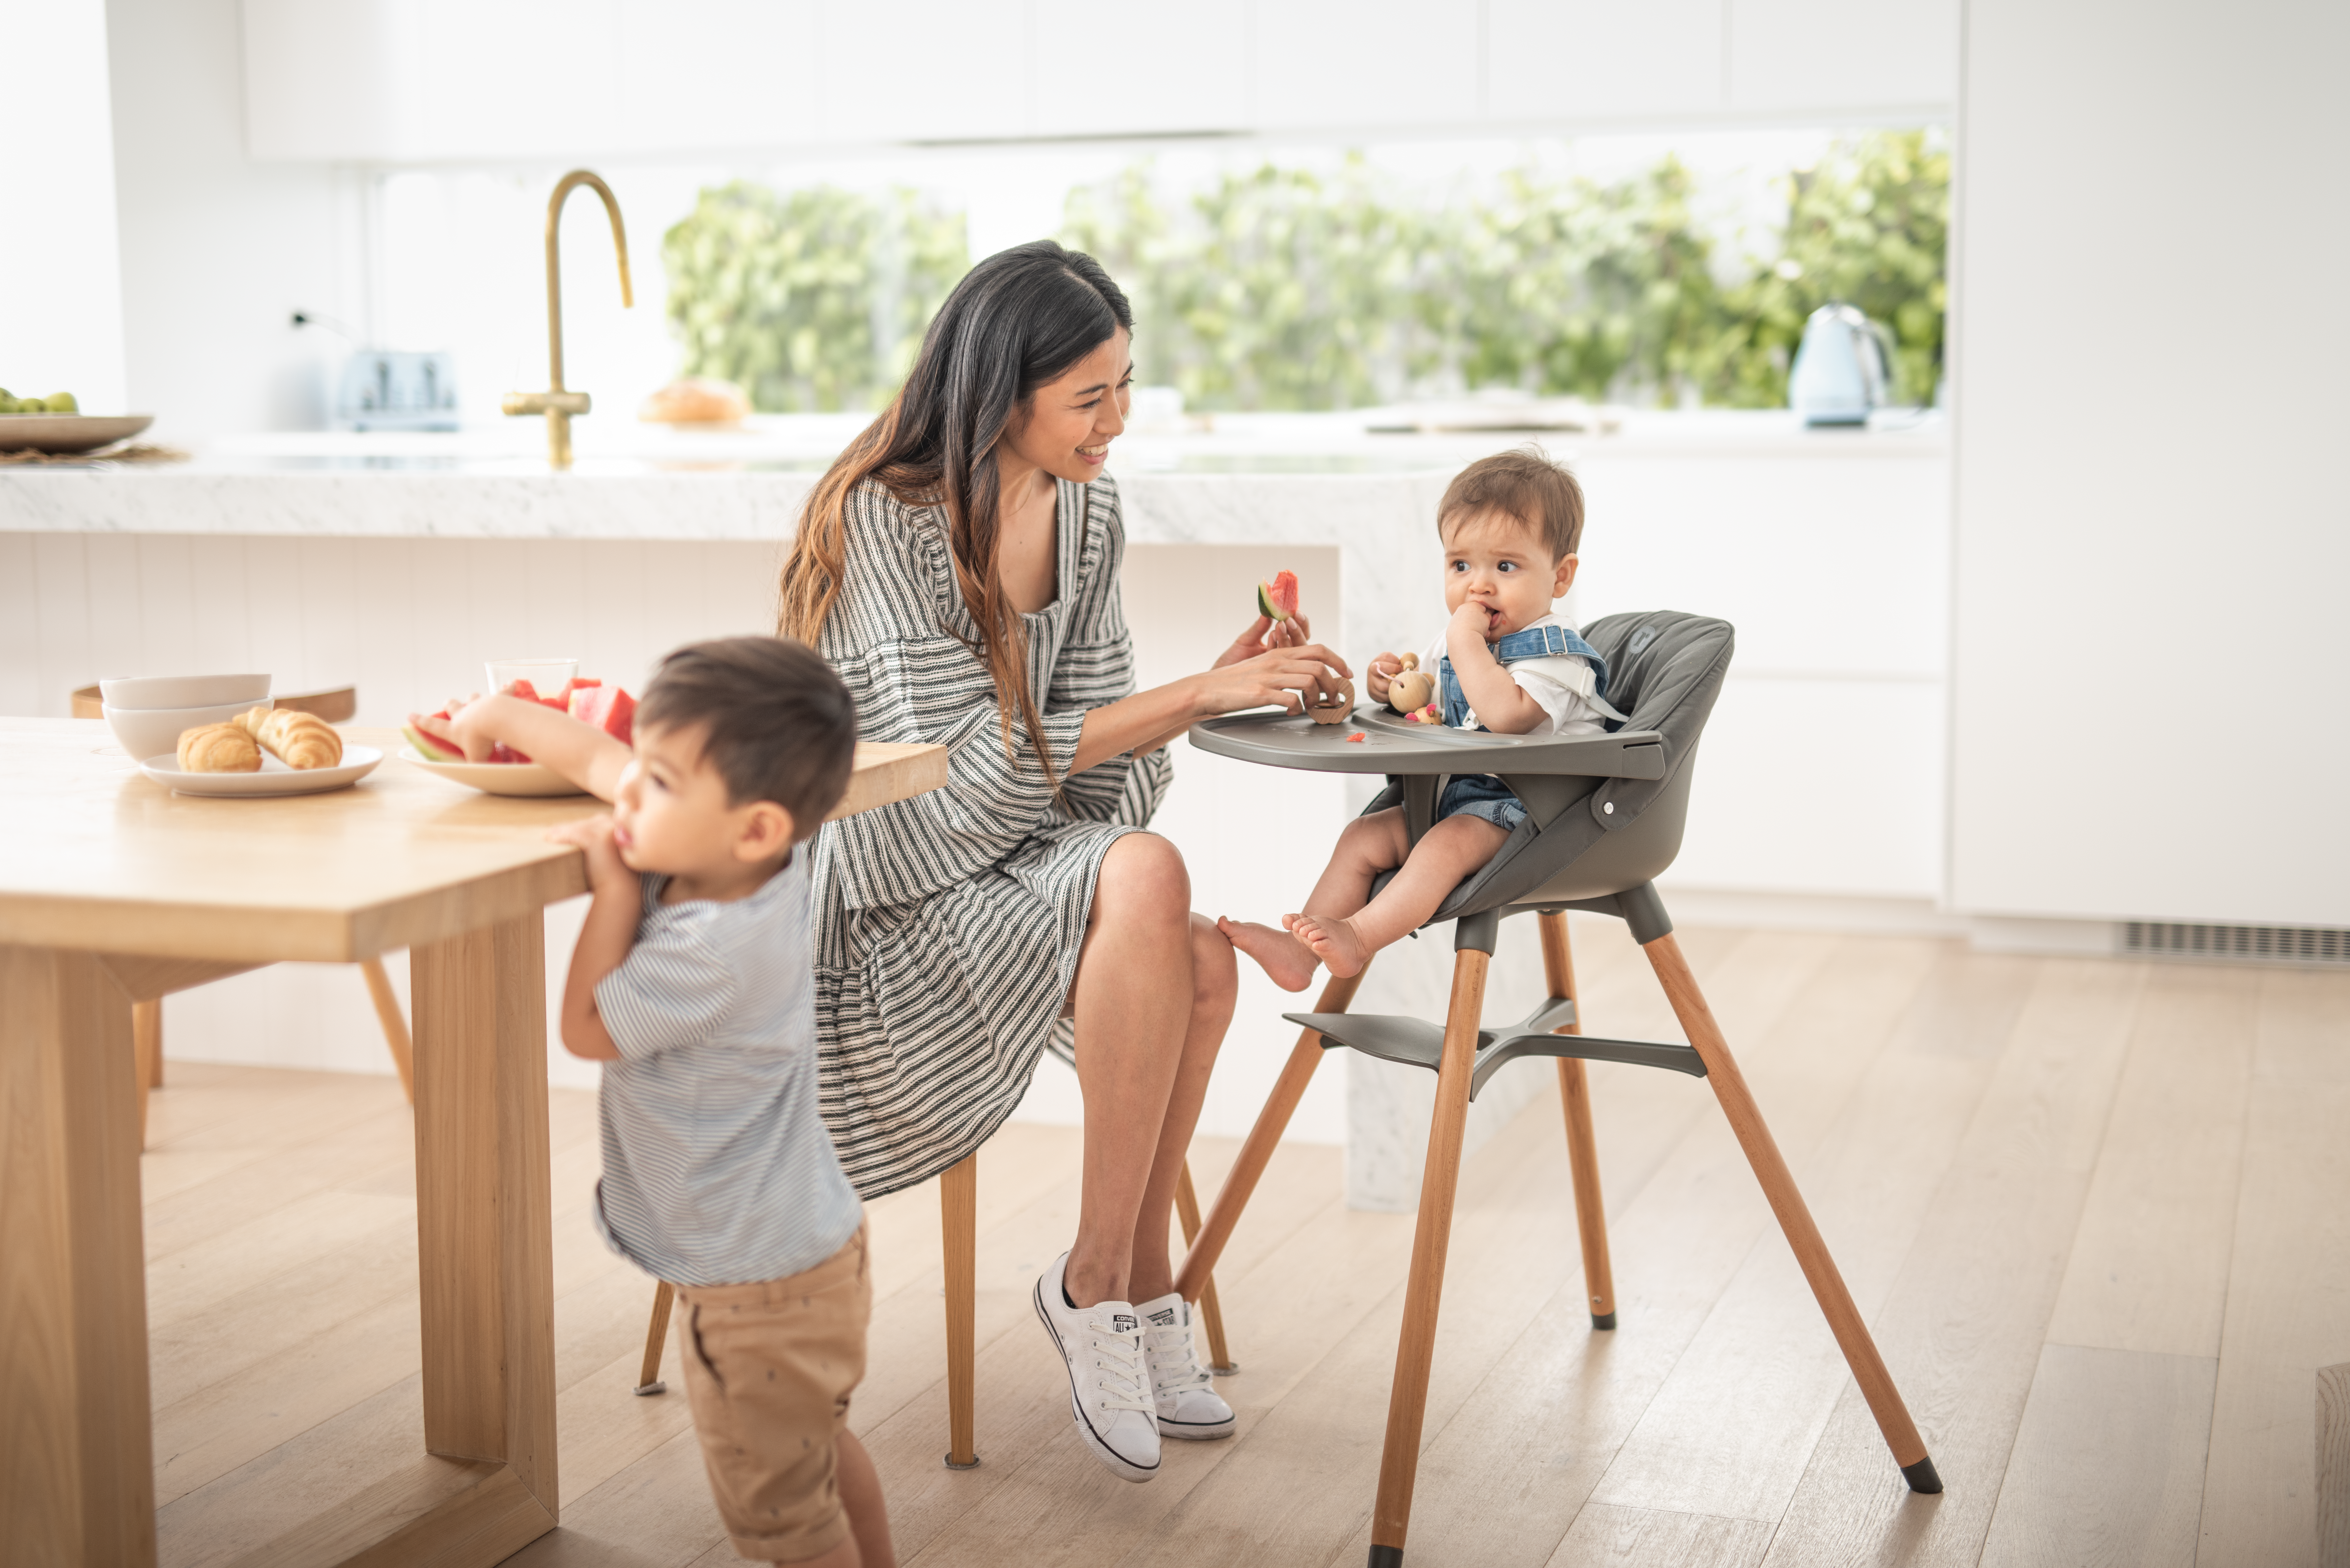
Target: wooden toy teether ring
1333,707
1413,690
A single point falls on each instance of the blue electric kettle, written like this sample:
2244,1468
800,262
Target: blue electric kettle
1842,368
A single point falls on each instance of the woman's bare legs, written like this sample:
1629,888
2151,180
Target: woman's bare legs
1343,925
1153,997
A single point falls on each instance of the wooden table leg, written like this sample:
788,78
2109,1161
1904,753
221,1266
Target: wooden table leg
483,1230
76,1454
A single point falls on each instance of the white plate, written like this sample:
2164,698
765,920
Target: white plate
496,778
274,777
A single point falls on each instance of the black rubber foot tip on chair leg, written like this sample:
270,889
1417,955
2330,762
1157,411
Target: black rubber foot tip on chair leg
1603,1320
1921,1477
969,1464
655,1387
1387,1557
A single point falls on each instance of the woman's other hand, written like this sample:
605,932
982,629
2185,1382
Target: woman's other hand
1384,669
1277,676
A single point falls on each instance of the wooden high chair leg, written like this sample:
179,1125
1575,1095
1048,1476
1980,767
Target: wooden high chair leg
1423,1292
395,1028
649,1380
1582,1148
1794,1217
1211,1317
1200,1260
958,1217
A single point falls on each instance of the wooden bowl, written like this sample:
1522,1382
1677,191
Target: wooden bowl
67,433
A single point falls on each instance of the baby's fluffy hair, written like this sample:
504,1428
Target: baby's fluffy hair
1526,484
777,723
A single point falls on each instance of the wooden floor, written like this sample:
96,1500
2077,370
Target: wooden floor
2094,1211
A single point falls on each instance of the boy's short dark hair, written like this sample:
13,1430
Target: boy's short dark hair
777,723
1526,484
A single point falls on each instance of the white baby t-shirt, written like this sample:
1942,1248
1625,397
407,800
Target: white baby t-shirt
1563,684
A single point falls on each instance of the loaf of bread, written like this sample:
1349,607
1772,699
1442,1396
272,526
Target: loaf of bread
219,749
297,739
696,401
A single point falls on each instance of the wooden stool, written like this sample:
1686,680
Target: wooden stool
334,704
959,1214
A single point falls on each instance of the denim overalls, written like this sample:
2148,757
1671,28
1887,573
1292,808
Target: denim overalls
1483,795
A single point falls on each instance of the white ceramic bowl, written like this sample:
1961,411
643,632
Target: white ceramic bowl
182,691
155,732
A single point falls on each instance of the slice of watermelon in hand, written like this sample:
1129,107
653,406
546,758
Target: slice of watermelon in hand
433,748
608,708
502,752
1278,598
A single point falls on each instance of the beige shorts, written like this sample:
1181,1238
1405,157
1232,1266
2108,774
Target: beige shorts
768,1370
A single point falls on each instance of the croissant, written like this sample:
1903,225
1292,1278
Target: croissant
297,739
218,749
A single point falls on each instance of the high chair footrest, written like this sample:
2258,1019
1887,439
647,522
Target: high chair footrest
1416,1043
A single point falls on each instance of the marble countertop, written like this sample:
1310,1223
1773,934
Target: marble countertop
634,481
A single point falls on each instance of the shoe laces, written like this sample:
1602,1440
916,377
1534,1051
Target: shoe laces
1118,1360
1175,1359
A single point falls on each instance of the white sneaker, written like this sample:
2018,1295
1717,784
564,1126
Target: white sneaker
1108,1394
1186,1396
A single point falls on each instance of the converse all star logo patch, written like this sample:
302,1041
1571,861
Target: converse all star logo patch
1121,1323
1164,1317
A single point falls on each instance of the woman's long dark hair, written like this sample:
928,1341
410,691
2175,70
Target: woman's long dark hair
1017,321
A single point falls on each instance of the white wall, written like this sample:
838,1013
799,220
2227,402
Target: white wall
2152,530
423,80
217,251
60,286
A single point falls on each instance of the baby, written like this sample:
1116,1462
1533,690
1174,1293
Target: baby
1511,524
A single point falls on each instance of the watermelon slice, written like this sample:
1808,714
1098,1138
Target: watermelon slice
1278,598
521,686
608,708
502,752
577,683
432,747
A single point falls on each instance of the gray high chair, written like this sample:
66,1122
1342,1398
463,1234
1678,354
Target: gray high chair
1604,819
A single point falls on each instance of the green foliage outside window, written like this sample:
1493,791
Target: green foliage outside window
810,300
1284,289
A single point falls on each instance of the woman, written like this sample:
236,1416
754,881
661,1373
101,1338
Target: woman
958,567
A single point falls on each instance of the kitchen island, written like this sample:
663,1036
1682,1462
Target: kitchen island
401,561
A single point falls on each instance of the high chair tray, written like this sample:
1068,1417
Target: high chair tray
1389,745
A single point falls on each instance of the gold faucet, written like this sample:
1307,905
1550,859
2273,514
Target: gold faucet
555,403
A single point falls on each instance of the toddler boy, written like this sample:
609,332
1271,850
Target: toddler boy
692,984
1511,524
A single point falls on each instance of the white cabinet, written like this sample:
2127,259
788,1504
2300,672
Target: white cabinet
1596,59
1351,63
2151,532
392,81
1870,56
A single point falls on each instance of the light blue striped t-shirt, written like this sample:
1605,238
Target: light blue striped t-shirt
717,1169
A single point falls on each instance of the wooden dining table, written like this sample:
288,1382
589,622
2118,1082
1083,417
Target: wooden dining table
115,891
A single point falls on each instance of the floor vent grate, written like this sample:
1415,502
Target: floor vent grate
2237,944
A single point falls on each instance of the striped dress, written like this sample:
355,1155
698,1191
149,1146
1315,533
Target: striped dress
948,925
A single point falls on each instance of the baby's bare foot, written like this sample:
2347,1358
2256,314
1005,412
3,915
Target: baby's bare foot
1333,939
1281,957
